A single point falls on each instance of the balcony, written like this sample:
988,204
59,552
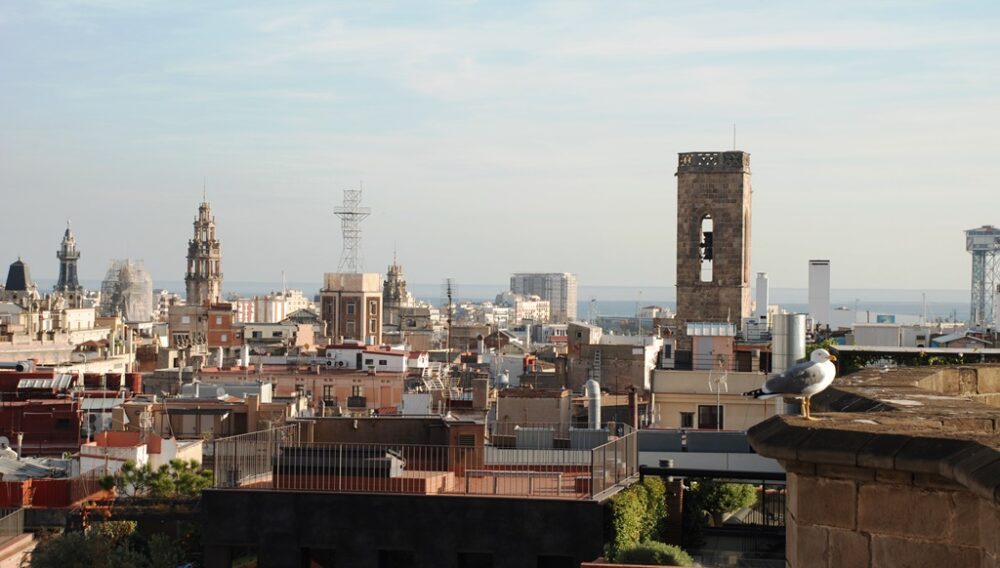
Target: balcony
278,459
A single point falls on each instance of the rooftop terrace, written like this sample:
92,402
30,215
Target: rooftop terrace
281,459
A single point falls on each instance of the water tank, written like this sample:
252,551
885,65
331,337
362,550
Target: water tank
789,341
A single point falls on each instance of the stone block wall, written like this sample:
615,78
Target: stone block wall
901,469
850,517
715,184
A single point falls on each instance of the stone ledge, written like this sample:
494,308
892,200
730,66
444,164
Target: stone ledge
894,421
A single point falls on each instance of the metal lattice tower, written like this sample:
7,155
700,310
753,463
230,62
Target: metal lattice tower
984,245
351,214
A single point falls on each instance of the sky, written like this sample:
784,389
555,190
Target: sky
498,137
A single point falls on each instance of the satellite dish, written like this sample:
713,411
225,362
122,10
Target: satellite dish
4,442
220,392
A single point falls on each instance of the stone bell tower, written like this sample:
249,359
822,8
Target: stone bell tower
713,237
204,260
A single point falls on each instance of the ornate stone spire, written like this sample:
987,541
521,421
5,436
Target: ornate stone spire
68,255
204,260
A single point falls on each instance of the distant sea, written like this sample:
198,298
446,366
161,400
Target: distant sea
626,300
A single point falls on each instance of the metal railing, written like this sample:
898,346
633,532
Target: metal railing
11,523
246,459
86,485
558,435
614,463
277,459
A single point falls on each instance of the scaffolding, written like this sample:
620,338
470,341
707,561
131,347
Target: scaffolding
984,245
351,214
127,290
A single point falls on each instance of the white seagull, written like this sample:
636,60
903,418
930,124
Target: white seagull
801,380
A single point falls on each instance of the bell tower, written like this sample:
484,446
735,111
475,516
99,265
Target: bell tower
204,260
713,237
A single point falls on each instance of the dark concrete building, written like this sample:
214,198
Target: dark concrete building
293,529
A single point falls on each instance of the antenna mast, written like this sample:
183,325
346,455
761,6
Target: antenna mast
351,214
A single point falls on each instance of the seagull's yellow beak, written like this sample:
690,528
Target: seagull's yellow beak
832,358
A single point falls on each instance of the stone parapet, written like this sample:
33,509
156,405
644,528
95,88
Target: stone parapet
901,469
735,161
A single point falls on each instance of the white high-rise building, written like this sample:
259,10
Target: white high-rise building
819,292
760,309
559,288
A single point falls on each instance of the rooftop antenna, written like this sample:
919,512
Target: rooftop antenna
449,291
204,193
734,136
351,214
638,312
716,386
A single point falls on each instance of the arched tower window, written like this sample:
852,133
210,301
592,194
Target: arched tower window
705,242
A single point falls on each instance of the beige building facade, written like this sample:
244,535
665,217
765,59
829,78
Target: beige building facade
351,306
688,400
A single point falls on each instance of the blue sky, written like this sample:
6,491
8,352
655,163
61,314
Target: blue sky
495,137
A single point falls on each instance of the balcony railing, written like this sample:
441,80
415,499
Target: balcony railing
553,435
277,459
11,523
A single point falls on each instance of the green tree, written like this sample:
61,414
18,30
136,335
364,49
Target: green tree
638,514
706,501
111,544
655,518
179,478
653,553
164,552
628,510
718,498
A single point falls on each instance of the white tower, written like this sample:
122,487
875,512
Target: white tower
763,297
819,292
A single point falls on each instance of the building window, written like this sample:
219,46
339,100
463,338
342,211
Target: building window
372,307
687,419
350,329
257,335
357,390
224,337
218,320
275,334
369,361
371,326
350,308
711,417
467,440
327,392
383,362
62,423
185,319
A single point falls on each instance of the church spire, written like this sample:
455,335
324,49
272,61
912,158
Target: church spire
68,255
203,279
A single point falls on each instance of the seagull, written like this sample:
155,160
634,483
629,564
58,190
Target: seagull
801,380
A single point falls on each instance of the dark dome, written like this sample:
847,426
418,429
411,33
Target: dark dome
18,277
